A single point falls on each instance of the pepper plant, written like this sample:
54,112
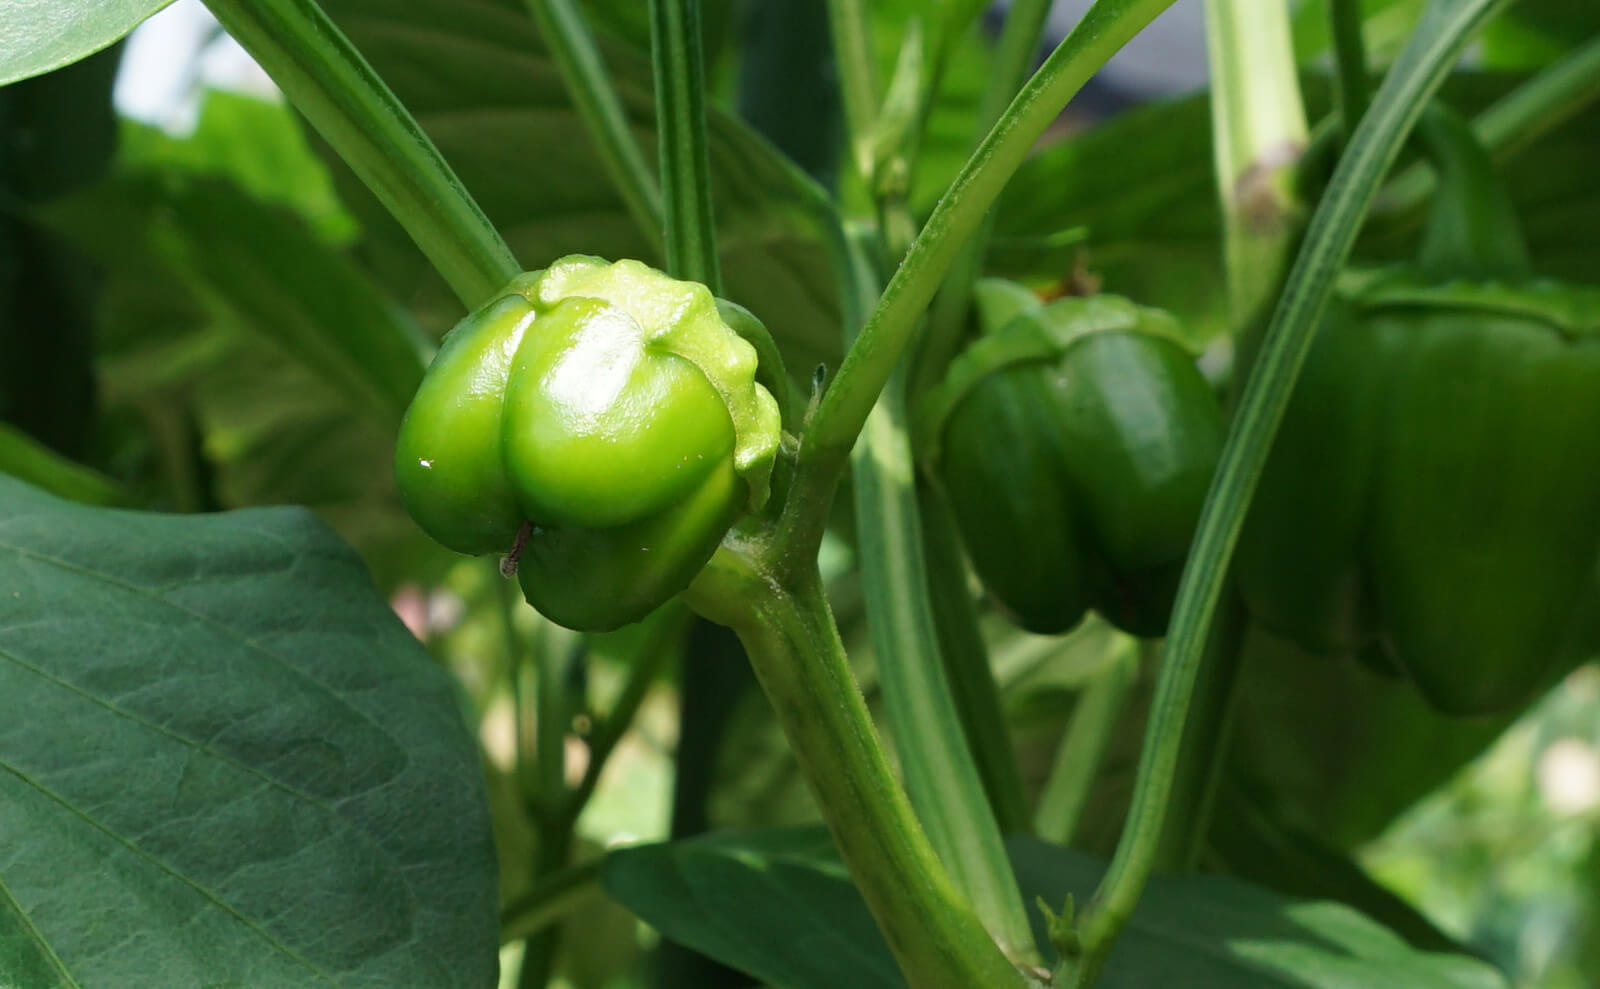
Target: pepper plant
775,358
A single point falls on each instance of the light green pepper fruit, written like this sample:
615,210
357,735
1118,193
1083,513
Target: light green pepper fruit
609,413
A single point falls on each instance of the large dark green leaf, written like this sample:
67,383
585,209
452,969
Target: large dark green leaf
779,906
473,73
223,761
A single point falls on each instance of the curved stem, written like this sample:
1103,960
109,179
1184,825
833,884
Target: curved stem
326,79
26,458
1416,76
1208,732
794,648
666,626
577,58
1107,26
553,897
691,233
935,758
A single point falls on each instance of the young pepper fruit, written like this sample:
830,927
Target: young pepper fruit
1433,494
1075,443
607,417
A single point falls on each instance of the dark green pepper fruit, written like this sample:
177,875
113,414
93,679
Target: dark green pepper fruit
1075,443
607,417
1433,494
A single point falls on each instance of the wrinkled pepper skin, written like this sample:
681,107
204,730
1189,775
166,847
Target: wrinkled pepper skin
1076,450
1432,500
605,416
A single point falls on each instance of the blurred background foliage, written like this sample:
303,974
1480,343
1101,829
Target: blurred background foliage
191,371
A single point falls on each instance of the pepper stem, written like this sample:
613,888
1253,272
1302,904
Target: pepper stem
1472,231
508,564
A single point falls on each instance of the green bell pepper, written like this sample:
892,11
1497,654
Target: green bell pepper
600,421
1433,495
1075,443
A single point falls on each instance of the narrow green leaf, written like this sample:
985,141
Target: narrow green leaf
224,761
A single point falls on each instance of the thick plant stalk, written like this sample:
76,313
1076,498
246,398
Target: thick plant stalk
326,79
935,757
795,650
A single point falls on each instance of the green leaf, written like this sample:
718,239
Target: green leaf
775,904
261,145
779,906
270,425
482,87
223,761
41,35
1207,931
256,266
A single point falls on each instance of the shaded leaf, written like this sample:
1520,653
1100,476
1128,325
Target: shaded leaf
265,271
779,906
223,761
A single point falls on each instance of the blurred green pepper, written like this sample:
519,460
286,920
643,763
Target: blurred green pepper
1433,496
606,415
